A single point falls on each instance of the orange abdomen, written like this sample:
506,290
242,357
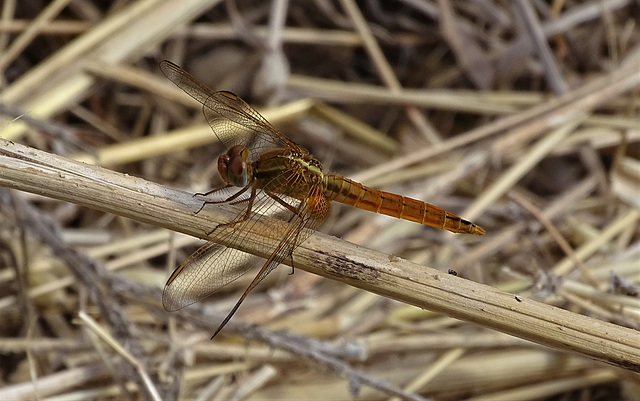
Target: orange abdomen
344,190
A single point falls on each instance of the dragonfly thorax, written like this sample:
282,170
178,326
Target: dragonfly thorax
233,166
305,161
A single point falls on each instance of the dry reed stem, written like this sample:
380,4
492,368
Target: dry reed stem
53,176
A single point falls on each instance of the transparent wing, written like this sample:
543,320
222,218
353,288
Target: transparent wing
207,270
232,120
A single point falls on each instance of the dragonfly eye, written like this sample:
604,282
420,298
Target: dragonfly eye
232,166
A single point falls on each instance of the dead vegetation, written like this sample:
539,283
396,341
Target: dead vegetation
521,116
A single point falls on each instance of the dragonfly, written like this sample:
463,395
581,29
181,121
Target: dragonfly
266,173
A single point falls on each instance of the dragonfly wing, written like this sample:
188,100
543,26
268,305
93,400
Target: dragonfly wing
231,118
207,270
187,82
235,122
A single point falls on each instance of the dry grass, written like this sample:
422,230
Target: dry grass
524,120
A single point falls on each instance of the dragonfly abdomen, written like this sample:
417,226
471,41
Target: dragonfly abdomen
349,192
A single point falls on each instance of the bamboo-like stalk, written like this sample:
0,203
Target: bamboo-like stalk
42,173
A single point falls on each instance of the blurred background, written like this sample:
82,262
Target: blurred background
520,116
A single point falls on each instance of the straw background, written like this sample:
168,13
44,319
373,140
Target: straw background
520,116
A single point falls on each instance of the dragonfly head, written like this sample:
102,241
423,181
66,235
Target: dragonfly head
233,166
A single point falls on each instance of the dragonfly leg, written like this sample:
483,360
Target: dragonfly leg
201,207
213,191
239,201
293,269
229,199
292,209
247,213
297,211
296,241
